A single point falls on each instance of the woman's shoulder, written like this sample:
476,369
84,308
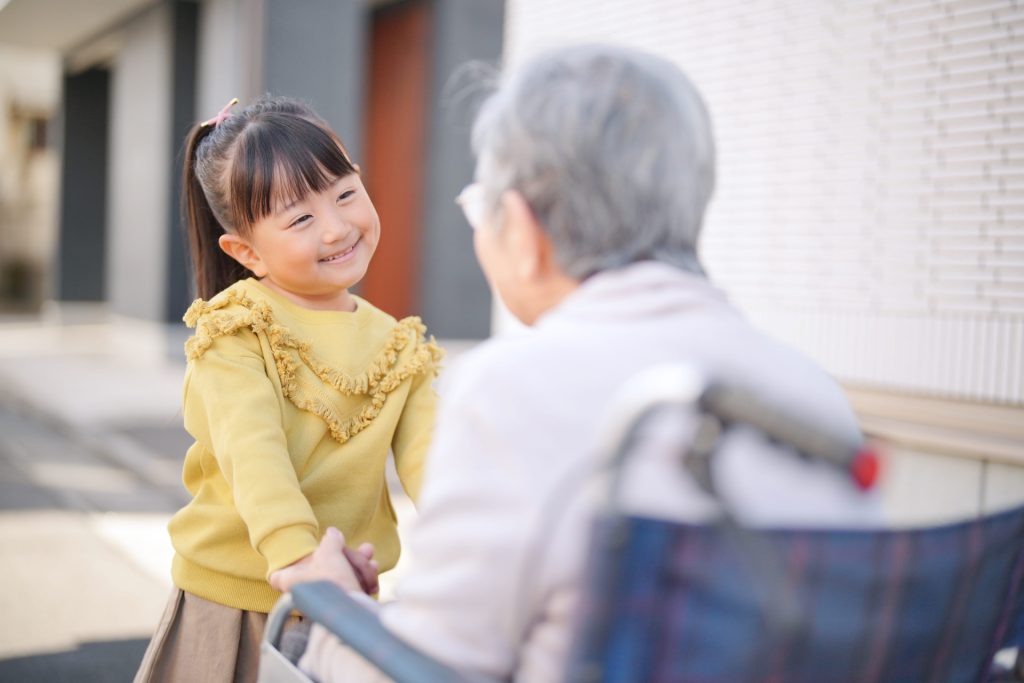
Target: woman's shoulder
504,363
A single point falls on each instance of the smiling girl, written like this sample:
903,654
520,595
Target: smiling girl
296,389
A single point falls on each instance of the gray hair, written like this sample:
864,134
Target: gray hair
611,148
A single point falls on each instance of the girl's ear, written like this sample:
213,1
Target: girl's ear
243,252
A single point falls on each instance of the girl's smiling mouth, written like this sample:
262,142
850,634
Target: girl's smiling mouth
341,255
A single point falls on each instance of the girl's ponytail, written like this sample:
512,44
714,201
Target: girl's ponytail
214,270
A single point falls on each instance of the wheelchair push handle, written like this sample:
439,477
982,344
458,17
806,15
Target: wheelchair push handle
733,404
728,403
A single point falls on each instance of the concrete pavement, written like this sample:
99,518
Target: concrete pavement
84,558
89,451
91,444
113,384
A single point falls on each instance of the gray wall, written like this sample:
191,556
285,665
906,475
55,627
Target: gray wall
140,162
455,301
318,54
179,293
81,246
229,48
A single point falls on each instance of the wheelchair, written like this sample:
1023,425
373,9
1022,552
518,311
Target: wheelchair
715,602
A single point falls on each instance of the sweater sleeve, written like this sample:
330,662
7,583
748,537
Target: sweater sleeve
413,434
231,406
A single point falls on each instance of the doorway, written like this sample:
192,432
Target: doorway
396,125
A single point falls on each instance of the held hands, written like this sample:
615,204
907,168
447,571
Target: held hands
364,566
353,570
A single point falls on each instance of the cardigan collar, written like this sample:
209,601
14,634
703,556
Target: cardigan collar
639,290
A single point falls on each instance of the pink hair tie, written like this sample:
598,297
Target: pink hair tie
221,115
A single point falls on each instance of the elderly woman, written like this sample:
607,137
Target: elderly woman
595,166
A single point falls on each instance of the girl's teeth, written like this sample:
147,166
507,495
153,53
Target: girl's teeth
338,256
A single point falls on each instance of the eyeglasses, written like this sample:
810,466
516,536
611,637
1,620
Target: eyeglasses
472,202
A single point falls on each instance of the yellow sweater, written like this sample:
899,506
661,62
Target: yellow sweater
293,412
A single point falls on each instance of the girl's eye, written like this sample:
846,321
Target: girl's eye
346,194
300,220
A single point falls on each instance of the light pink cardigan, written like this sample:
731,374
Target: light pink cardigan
497,549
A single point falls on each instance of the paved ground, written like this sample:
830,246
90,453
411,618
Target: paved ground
85,558
90,463
89,446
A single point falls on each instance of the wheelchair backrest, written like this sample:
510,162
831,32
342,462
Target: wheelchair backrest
684,603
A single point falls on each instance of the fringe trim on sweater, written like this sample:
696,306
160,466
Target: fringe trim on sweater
383,375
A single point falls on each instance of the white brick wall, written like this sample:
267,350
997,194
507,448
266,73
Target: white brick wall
870,206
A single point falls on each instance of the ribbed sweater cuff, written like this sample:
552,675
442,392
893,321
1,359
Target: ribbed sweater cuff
287,545
239,592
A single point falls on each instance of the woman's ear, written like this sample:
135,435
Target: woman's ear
524,236
243,252
531,263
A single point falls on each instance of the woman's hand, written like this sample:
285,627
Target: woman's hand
353,570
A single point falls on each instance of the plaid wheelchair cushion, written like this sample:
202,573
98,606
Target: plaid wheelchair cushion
679,603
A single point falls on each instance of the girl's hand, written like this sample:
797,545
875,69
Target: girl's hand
329,562
365,567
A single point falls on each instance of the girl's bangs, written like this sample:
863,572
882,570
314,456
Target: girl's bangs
280,159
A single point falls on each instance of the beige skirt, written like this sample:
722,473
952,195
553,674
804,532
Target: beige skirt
198,641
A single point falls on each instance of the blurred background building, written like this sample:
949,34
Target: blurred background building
870,205
29,165
869,210
99,96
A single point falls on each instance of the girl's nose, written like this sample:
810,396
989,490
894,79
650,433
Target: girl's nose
334,229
